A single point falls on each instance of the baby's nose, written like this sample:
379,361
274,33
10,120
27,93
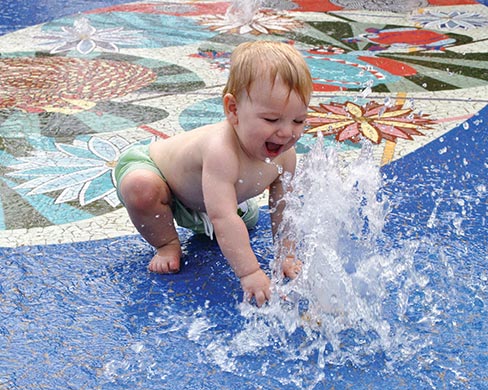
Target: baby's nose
285,131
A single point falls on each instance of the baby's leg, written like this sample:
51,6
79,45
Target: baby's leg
147,199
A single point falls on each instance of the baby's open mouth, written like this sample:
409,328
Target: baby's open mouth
273,148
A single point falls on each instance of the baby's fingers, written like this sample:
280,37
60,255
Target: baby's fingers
260,297
291,267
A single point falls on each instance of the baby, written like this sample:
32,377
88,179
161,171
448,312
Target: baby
206,178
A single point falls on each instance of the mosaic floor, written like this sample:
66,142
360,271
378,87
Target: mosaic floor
79,84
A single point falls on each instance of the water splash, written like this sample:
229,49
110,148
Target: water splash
242,11
351,301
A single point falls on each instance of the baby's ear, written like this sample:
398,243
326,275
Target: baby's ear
230,108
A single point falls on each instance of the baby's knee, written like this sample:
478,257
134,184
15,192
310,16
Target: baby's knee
143,193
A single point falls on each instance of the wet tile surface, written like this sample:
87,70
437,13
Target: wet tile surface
79,85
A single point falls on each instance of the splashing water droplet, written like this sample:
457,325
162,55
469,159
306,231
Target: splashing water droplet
279,168
242,11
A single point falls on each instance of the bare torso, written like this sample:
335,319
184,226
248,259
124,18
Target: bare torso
181,159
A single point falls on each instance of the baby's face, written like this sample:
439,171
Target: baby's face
271,119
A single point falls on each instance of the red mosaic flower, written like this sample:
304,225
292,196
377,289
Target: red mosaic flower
373,121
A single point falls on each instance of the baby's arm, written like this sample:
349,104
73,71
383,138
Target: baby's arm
233,239
218,182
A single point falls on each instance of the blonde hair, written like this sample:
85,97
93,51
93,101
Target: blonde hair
252,60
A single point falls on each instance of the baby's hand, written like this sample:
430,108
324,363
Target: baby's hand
256,285
291,267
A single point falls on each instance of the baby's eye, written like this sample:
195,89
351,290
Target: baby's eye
270,119
299,122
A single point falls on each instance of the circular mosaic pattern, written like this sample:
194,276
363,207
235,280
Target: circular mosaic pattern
67,85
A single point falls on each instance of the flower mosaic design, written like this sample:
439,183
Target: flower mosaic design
374,121
262,22
146,28
84,38
453,20
81,172
67,84
59,96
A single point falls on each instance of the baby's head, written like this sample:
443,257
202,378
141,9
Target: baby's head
253,60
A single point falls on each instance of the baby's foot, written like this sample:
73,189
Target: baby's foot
291,267
167,258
